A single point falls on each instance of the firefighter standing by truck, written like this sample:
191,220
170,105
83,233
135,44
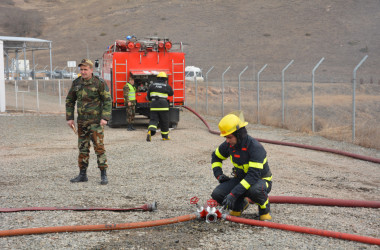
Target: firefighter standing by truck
252,177
129,91
158,94
93,100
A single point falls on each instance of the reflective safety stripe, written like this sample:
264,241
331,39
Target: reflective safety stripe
216,164
267,178
158,94
264,206
152,126
164,133
159,109
245,184
132,92
217,153
242,167
257,164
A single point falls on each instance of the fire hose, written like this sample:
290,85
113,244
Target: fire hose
352,155
272,199
145,207
102,227
209,212
307,230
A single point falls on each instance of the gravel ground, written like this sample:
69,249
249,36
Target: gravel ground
38,158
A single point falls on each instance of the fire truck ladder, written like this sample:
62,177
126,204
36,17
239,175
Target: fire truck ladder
116,90
177,78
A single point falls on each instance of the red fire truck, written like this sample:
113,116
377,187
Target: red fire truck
142,60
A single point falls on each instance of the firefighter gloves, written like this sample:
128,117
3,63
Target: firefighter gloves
223,178
229,201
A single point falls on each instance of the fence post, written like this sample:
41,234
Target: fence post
312,91
258,92
207,88
196,92
38,101
59,91
223,89
16,90
239,105
283,90
353,96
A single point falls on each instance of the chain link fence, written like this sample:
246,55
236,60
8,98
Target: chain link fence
322,108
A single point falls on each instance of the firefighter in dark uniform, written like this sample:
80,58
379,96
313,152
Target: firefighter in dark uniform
252,177
158,94
93,99
129,91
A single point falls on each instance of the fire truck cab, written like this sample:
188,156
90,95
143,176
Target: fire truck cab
142,60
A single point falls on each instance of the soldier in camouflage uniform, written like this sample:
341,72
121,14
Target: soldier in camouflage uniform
93,99
129,91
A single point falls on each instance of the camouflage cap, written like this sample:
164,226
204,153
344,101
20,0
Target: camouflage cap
86,62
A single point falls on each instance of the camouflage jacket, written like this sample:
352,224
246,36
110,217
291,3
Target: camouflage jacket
93,100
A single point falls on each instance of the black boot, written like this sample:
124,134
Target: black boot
103,176
132,127
129,127
82,177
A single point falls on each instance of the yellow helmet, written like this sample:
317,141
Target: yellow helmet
232,122
162,74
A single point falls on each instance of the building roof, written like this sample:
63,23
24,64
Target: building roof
12,43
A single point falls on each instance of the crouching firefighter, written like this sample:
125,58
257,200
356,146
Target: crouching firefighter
251,178
158,94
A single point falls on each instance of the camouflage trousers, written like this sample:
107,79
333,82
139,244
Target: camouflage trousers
130,113
94,133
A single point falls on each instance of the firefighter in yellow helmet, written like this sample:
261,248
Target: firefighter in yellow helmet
251,178
158,93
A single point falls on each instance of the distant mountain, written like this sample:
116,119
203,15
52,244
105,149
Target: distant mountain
215,32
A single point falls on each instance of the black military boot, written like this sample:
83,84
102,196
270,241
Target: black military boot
82,177
103,176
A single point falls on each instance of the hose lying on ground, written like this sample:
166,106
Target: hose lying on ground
352,155
103,227
323,201
307,230
146,207
272,199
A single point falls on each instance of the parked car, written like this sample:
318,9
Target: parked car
192,72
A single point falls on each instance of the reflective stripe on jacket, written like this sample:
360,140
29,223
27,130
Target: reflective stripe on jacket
249,160
158,93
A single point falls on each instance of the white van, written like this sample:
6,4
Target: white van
191,72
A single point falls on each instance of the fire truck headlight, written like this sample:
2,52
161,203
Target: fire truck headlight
168,45
131,45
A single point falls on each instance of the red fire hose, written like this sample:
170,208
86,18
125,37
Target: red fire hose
103,227
146,207
308,230
323,201
356,156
